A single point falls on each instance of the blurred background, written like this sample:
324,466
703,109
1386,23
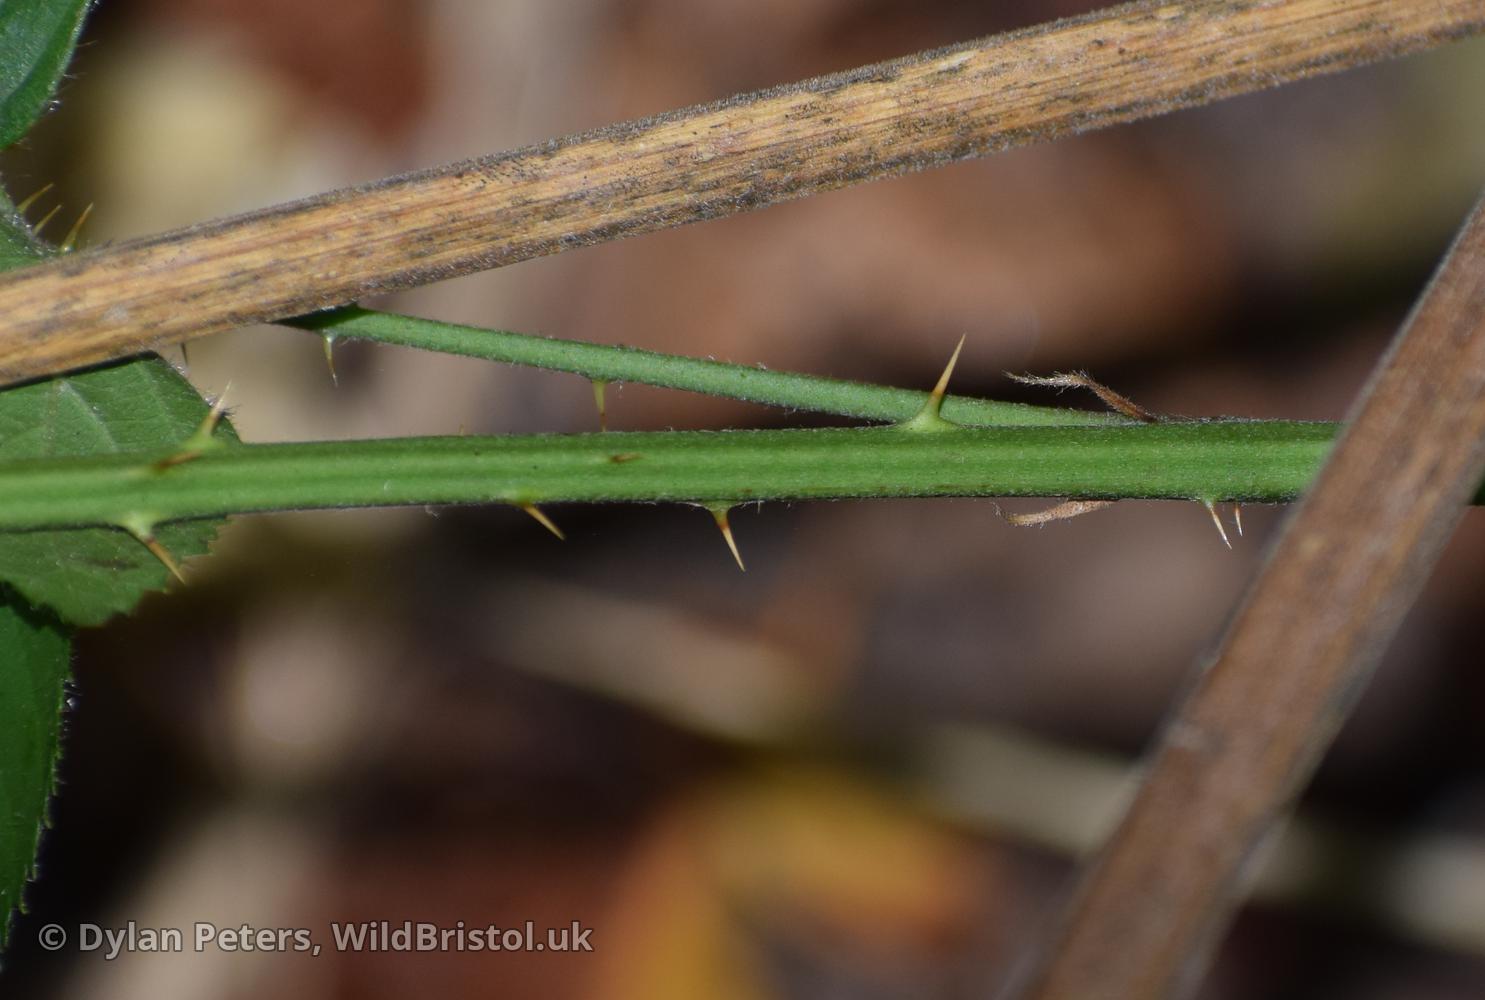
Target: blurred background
866,767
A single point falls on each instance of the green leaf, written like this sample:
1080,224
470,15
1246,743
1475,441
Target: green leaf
83,575
17,249
33,654
36,42
89,574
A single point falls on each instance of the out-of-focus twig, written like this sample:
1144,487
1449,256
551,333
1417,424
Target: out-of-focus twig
1125,63
1344,571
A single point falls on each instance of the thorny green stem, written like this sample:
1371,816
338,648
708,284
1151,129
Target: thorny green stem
1005,449
1249,461
1015,450
626,364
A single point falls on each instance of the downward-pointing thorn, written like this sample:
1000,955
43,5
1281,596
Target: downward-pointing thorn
70,240
161,553
1212,509
599,386
329,339
30,199
719,512
144,533
1237,518
543,520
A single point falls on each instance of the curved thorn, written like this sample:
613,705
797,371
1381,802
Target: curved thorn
36,229
70,240
1237,518
30,199
543,520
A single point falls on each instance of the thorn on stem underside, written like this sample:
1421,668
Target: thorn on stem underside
599,400
329,341
719,513
144,532
543,520
1212,509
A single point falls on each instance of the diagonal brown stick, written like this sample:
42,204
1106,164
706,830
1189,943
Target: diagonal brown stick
1125,63
1346,568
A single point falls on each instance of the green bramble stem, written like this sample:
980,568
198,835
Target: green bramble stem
1250,461
605,363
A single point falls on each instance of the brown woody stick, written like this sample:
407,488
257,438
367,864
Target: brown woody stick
1349,564
1125,63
